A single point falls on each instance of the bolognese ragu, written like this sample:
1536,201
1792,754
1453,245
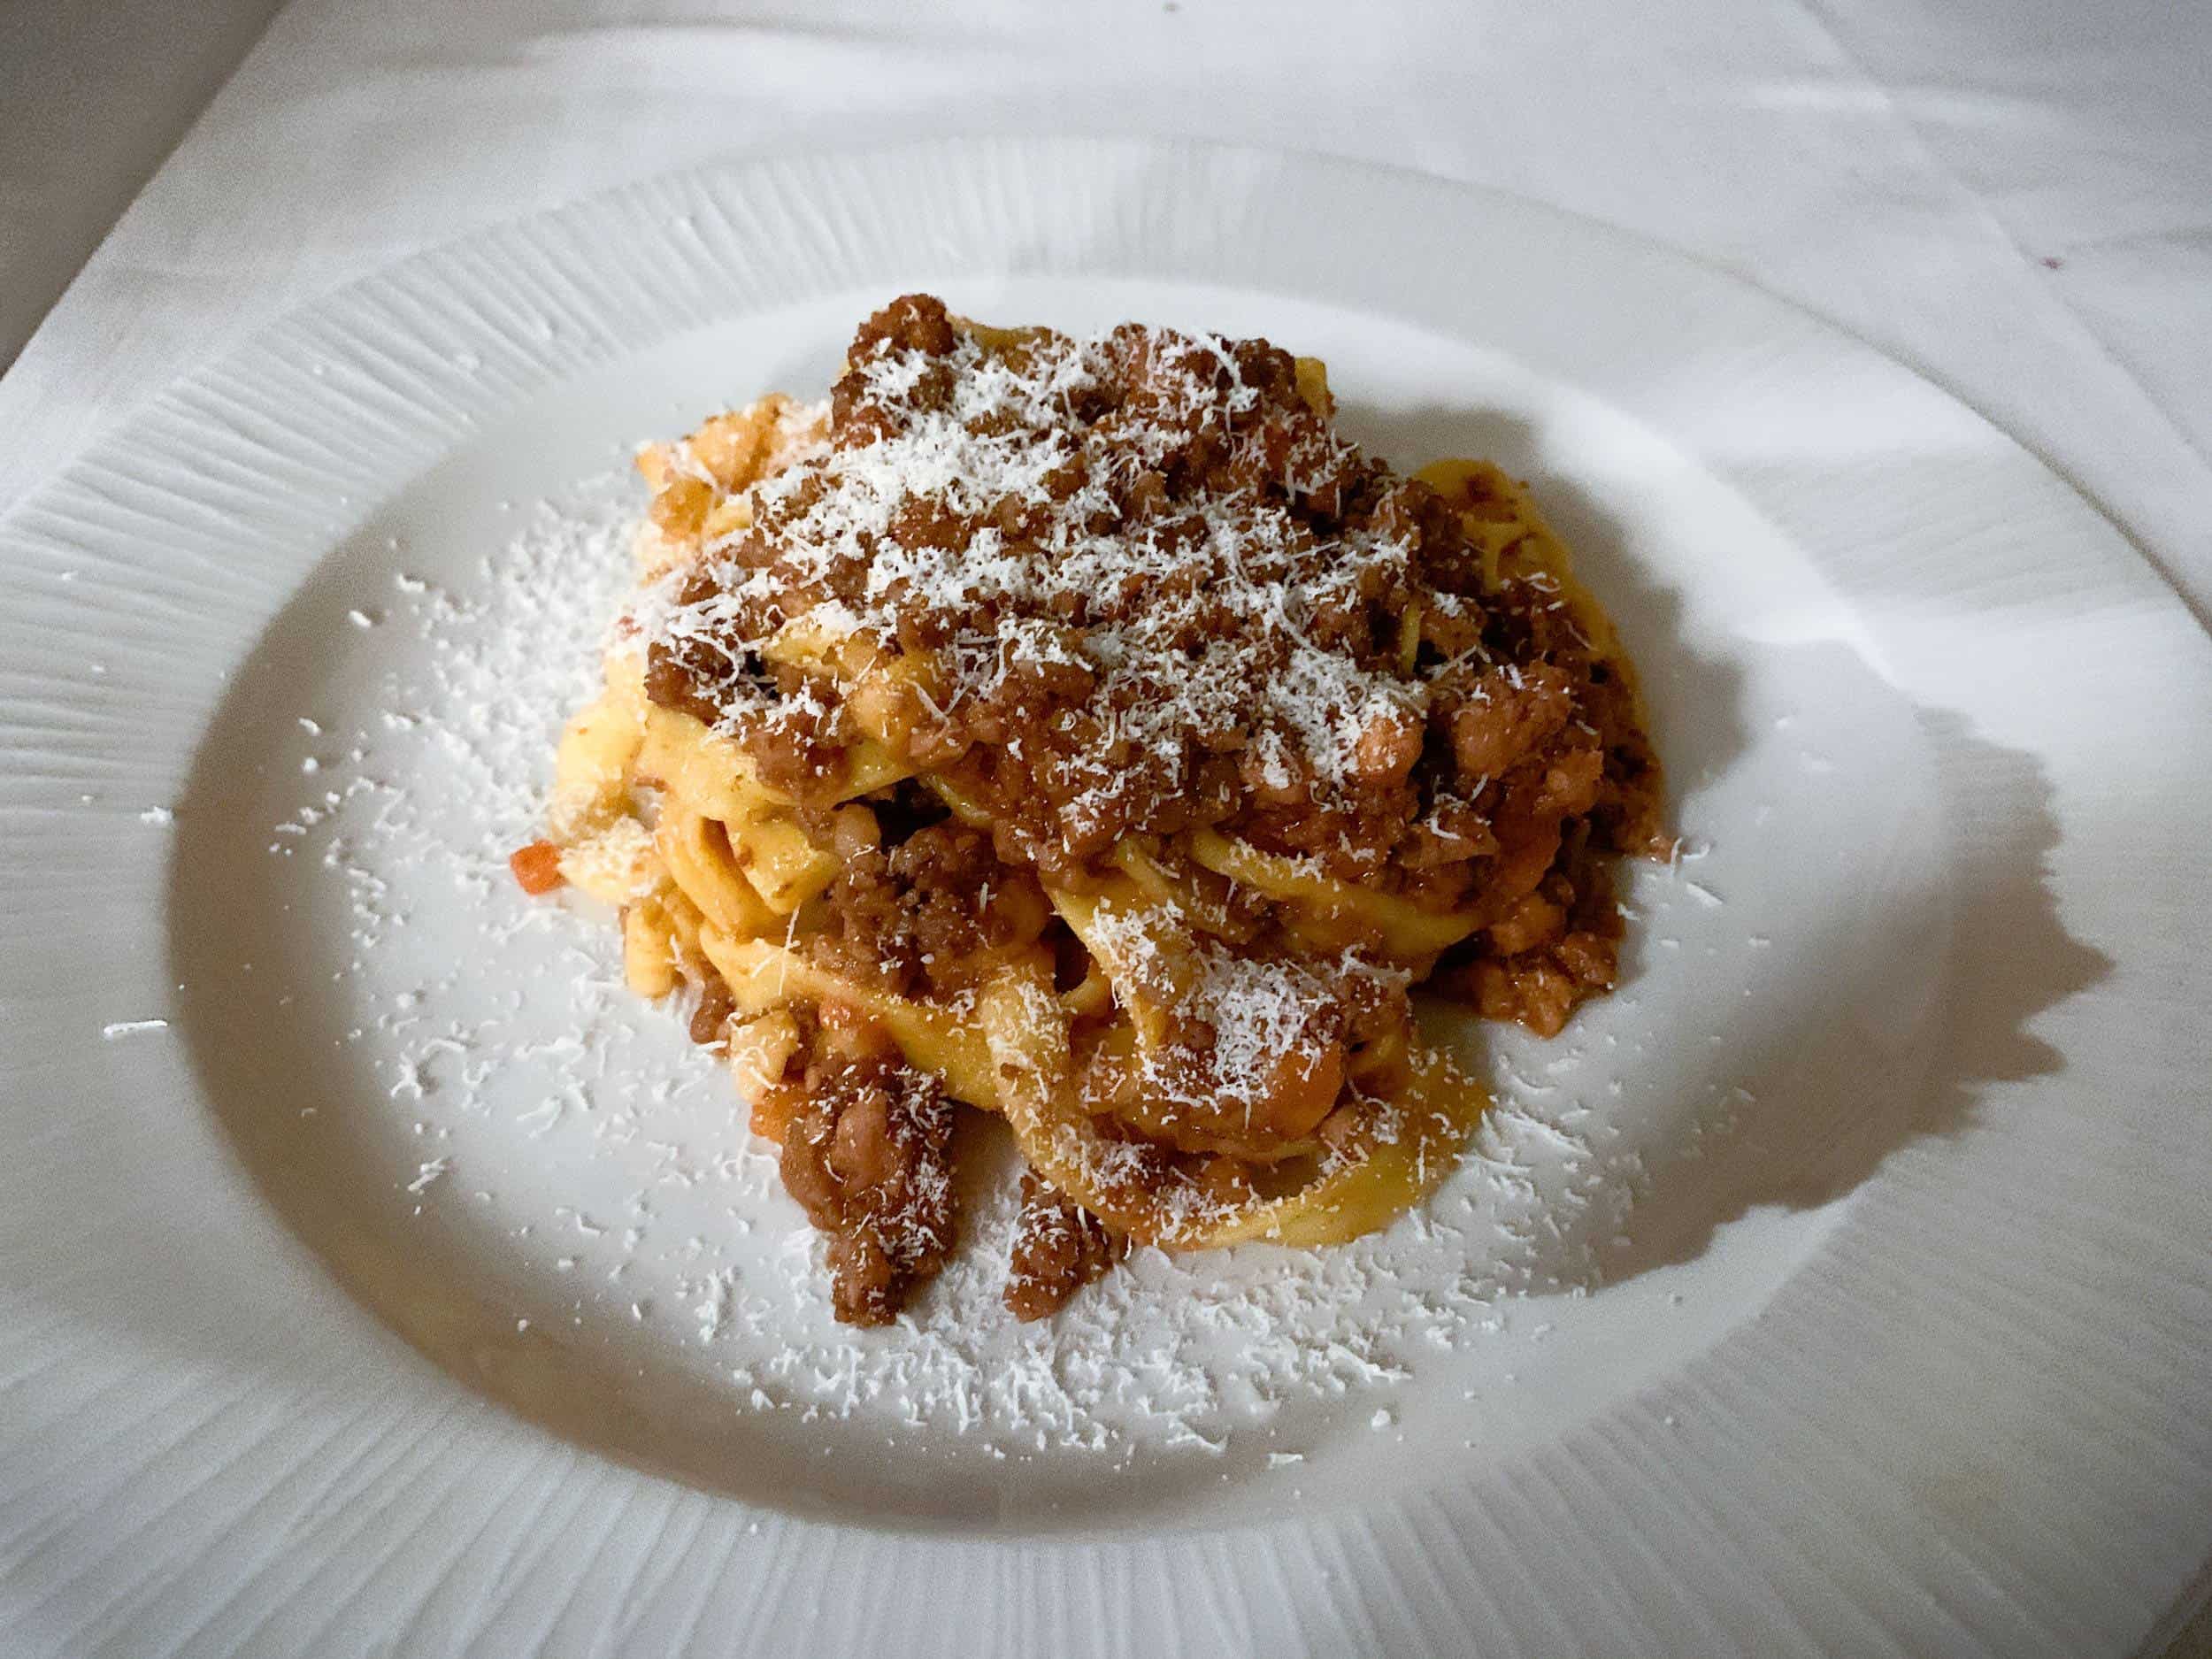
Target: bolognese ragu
1078,730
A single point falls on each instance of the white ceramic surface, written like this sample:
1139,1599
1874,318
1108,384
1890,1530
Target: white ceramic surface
1841,1285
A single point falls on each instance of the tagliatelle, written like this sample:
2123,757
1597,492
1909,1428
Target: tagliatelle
1082,732
1339,912
1396,1159
762,976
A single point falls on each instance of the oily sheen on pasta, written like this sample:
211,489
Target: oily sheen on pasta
1079,731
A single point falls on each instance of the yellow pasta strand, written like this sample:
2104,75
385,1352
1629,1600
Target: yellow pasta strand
1518,542
649,951
702,862
1371,1181
759,1048
707,768
763,975
1313,386
1141,946
1407,931
592,769
699,767
783,866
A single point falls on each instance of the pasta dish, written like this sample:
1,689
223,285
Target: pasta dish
1078,731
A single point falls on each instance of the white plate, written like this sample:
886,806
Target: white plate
1838,1285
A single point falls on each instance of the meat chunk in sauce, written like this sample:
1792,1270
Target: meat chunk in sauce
1059,1247
867,1153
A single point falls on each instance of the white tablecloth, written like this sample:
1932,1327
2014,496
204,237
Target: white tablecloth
2015,196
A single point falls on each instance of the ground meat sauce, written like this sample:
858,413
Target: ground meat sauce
919,916
1059,1247
867,1154
711,1019
1105,592
1149,589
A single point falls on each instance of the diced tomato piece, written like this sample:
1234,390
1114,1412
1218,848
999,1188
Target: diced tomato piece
537,867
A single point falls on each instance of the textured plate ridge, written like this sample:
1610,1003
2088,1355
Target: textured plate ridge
1936,1373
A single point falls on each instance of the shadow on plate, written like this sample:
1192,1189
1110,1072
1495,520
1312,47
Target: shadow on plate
1823,1106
